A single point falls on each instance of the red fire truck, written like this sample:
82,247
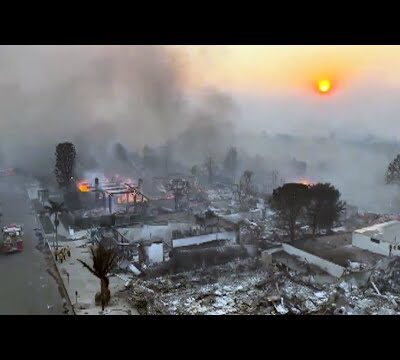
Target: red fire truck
12,239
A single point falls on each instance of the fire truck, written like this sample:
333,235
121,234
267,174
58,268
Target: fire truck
12,239
7,172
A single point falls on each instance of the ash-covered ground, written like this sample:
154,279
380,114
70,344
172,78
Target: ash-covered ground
247,287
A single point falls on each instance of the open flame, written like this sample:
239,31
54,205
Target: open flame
87,186
304,181
83,186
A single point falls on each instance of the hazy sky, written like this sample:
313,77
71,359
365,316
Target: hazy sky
95,96
276,85
289,68
273,88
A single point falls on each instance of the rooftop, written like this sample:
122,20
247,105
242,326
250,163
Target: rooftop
388,231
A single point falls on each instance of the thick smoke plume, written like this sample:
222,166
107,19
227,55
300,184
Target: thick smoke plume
94,96
98,96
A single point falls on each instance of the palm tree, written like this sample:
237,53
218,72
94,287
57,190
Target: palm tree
103,261
55,209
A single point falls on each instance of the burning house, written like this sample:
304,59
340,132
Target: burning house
108,203
113,196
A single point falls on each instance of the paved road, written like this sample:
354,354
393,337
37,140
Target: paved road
26,287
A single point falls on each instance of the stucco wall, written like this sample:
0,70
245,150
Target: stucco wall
364,242
147,232
329,267
197,240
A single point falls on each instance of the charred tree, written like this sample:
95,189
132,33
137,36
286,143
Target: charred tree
167,157
231,163
393,172
324,206
65,163
194,170
121,153
180,189
289,201
246,187
149,159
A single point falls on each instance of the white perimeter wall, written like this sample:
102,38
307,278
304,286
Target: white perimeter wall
364,242
197,240
331,268
147,232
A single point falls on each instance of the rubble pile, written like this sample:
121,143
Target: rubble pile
386,275
246,287
220,194
145,301
351,300
239,287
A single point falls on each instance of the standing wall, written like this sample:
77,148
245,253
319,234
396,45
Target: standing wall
364,242
331,268
197,240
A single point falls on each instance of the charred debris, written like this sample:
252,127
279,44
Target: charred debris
207,241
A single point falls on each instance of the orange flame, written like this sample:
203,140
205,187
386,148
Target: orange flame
83,186
304,181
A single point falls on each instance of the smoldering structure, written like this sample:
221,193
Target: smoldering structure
113,196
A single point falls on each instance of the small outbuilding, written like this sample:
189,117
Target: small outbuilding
383,239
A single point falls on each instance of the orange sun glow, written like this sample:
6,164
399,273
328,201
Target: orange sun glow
324,86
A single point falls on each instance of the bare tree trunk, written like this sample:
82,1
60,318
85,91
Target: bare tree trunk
56,223
292,234
104,292
292,225
237,233
314,227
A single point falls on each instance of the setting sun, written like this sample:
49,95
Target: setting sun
324,86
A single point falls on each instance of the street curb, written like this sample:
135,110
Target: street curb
54,261
62,280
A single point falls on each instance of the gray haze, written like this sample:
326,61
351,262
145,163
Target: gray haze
96,96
